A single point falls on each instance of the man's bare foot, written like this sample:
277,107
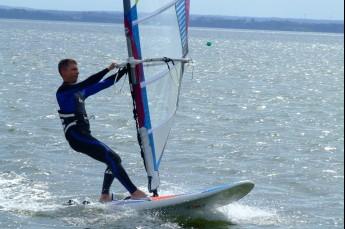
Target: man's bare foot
137,195
105,198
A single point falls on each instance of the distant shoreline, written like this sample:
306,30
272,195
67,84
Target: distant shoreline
221,22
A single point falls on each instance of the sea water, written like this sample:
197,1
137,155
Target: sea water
260,106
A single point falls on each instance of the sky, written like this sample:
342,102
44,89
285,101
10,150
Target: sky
309,9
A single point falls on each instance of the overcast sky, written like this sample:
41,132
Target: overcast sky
314,9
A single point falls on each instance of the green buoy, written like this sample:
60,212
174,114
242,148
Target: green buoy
209,43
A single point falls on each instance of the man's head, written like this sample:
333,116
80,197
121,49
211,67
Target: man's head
68,69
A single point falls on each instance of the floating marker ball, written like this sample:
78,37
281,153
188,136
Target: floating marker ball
209,43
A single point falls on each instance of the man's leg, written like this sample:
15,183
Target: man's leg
107,181
115,166
92,147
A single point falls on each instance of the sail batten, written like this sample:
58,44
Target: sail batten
156,32
155,78
155,13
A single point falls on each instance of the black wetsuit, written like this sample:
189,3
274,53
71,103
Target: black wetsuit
77,128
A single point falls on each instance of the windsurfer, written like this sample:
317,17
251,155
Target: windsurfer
71,97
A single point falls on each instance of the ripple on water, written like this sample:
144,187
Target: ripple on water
23,196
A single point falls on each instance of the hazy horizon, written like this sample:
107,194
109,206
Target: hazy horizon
306,9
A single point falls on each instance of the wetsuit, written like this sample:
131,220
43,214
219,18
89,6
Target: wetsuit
77,127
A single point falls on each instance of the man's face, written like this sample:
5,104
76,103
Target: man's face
70,73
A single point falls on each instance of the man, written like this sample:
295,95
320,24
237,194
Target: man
71,96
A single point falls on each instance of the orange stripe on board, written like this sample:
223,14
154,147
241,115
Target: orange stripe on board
162,198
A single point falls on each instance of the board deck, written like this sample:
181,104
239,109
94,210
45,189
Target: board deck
212,198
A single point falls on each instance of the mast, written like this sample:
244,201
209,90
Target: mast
140,110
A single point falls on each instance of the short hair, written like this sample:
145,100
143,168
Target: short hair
65,63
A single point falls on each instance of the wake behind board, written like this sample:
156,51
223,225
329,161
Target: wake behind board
212,198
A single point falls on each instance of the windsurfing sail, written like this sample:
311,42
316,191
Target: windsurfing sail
157,40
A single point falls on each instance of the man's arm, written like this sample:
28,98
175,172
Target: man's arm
94,79
108,82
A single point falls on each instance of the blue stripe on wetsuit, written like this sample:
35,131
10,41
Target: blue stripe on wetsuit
66,95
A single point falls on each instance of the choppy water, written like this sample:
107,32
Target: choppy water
264,106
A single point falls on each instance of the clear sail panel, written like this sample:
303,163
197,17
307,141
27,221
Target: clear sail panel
159,30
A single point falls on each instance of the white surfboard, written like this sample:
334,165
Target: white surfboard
212,198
